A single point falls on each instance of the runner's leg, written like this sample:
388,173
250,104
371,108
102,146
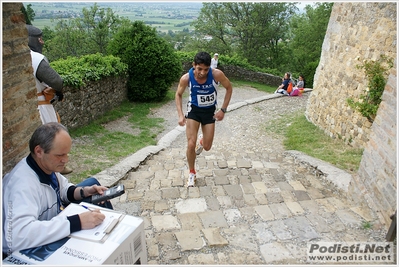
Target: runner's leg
208,132
192,128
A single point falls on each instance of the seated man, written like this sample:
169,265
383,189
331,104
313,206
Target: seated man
34,193
282,89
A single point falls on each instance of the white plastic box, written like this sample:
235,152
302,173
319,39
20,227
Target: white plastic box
125,245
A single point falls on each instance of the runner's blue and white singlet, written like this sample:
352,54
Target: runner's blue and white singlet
202,95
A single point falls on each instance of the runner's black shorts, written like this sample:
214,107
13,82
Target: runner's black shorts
202,115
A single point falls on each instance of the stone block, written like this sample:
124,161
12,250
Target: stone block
214,237
190,240
191,205
189,221
264,212
212,219
274,252
165,222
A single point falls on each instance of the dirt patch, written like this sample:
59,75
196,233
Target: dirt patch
121,125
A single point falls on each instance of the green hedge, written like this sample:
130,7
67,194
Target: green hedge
76,70
225,60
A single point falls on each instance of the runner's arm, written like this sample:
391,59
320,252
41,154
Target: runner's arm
183,83
219,76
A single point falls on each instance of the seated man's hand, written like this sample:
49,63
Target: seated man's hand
96,189
91,219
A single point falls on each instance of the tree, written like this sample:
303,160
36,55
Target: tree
308,31
212,22
153,65
29,13
67,40
84,35
253,30
263,28
99,24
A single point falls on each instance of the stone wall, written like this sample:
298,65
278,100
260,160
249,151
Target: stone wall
235,72
82,106
376,179
356,32
20,114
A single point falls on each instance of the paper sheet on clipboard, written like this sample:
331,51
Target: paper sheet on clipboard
99,232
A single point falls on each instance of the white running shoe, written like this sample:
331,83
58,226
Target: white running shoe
191,179
199,147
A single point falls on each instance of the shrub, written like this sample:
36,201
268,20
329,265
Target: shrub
185,56
75,70
153,65
308,72
376,73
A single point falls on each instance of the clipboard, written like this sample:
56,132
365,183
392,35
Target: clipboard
119,215
99,233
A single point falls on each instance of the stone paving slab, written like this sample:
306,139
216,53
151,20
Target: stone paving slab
214,237
190,239
275,252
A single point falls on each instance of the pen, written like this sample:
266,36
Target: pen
87,208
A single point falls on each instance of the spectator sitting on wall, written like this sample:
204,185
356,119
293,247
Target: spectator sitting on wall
282,89
301,82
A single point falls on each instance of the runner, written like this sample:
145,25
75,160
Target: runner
201,107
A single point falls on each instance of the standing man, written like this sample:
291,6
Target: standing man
49,83
201,107
214,62
34,193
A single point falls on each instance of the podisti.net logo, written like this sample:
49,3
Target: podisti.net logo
351,252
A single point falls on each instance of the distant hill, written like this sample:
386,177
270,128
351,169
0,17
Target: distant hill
162,15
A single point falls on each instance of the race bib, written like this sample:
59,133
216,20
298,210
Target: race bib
206,100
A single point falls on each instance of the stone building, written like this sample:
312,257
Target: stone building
20,114
357,32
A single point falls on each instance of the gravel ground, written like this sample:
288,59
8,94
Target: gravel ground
244,119
270,109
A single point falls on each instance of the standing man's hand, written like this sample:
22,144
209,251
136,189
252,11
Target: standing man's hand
60,95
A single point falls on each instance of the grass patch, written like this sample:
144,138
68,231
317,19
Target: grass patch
366,225
299,134
259,86
96,148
